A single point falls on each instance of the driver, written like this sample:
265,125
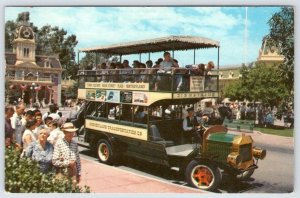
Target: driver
192,125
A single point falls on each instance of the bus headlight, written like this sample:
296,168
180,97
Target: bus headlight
259,153
234,159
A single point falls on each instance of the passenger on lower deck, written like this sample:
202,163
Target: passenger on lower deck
140,115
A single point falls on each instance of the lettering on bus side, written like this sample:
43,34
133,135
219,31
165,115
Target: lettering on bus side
195,95
118,129
122,86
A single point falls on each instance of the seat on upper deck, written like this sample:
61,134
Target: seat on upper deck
156,137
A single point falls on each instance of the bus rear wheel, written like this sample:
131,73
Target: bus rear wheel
203,175
104,152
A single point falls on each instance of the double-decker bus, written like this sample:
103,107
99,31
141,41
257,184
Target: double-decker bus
140,112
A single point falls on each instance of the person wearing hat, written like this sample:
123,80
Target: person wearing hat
66,158
192,124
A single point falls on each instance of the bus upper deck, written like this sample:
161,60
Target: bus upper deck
148,85
145,86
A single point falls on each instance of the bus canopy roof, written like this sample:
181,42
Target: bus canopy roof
155,45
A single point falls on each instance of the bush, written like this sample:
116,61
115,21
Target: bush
22,175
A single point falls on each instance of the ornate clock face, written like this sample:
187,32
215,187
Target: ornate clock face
26,33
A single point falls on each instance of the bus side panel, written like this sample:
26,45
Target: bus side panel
145,150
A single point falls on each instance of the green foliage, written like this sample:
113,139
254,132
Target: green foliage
282,32
91,59
71,92
22,175
259,83
10,27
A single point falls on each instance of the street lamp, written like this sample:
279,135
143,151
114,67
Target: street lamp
34,88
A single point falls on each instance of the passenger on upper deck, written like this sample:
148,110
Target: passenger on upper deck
200,70
135,64
168,62
127,71
149,63
210,65
143,73
157,63
119,68
103,72
126,64
112,73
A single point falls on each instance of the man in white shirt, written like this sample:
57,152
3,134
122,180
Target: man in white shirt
17,123
168,62
165,81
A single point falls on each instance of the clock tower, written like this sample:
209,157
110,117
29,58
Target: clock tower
24,41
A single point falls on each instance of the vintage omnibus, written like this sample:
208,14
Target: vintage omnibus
139,113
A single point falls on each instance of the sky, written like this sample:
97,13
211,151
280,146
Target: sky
96,26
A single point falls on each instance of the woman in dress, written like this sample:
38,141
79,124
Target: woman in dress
42,151
28,135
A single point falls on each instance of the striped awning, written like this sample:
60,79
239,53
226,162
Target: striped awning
155,45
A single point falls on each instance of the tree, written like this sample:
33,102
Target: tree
282,32
10,27
259,83
91,59
55,40
72,90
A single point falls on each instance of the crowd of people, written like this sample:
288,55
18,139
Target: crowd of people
263,115
111,72
45,138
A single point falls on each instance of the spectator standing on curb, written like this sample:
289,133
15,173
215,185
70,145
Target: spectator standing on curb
9,131
41,151
17,124
238,113
28,136
66,158
52,112
55,133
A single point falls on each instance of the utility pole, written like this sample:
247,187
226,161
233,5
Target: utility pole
246,36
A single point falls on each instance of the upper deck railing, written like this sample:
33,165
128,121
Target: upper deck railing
180,80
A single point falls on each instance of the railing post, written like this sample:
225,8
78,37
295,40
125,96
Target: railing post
194,56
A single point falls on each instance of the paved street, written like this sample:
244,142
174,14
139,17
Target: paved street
275,173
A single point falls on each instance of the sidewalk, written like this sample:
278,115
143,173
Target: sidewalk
102,178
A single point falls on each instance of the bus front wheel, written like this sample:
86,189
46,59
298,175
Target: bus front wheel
203,175
104,151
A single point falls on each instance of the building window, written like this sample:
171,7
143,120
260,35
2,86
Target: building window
26,52
47,64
